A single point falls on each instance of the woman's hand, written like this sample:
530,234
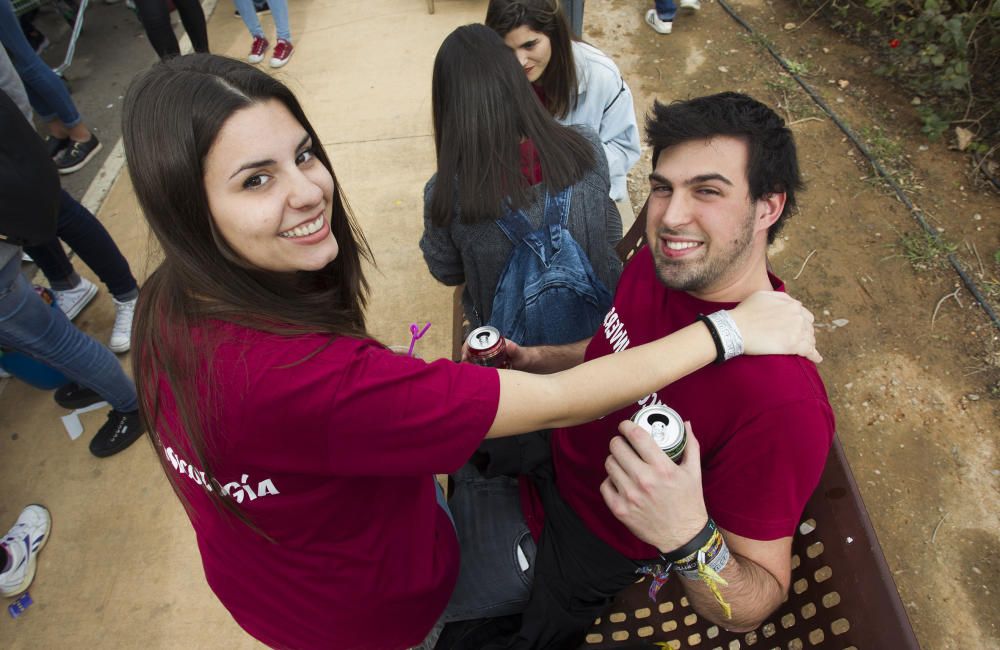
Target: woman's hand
772,322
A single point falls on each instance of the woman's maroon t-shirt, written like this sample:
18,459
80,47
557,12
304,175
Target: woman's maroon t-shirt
330,449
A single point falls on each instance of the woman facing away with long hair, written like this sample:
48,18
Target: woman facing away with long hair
303,450
506,168
576,82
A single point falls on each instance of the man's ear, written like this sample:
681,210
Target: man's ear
769,209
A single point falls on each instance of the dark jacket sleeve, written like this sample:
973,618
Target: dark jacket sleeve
29,183
444,259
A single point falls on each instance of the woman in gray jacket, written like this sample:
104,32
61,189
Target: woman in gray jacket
499,152
576,82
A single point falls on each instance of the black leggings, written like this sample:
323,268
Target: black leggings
155,18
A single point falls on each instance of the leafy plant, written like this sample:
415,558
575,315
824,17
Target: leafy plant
925,252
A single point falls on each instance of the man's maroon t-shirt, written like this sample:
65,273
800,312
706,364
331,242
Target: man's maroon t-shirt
764,424
330,449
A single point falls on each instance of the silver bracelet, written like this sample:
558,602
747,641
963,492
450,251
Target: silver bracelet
729,334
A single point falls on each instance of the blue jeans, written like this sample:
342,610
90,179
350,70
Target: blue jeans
491,529
279,11
79,228
666,9
573,9
46,91
29,325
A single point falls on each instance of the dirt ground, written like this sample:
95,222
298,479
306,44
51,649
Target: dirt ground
916,393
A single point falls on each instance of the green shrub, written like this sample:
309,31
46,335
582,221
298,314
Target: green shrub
947,52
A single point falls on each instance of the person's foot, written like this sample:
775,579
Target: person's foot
121,333
77,154
282,52
55,145
258,49
23,543
659,26
693,5
120,431
72,301
74,396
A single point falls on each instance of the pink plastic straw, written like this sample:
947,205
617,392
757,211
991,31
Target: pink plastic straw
416,333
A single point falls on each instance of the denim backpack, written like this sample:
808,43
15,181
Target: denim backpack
548,293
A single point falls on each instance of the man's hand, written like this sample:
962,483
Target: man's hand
663,505
540,359
659,501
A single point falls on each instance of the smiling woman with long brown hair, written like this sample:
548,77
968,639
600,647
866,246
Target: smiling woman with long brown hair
303,450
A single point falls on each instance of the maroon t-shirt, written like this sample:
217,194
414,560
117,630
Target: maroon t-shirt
531,164
764,423
332,455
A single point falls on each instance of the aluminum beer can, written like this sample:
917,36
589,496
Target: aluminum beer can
487,347
666,427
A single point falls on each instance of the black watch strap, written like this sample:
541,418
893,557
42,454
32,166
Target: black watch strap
691,547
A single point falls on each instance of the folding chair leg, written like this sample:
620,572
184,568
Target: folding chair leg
77,28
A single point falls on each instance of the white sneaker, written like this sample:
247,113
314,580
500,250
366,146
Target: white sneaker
693,5
72,301
22,543
121,333
660,26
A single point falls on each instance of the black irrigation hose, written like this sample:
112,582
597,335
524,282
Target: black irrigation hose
914,211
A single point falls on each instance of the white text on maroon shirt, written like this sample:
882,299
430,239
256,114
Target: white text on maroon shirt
264,488
617,336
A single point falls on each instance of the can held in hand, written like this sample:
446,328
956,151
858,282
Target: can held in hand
487,347
666,427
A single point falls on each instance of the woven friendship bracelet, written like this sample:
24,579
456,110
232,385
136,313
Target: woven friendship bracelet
732,340
715,555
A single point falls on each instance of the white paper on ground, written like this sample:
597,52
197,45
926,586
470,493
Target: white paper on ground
72,423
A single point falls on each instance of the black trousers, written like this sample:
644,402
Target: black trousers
155,18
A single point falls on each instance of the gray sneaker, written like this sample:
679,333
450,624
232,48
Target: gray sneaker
77,154
72,301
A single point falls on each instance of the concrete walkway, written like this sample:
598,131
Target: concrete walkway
122,568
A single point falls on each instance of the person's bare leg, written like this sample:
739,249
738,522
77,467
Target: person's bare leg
79,133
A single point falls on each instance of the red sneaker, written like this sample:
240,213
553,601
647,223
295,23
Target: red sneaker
282,52
257,49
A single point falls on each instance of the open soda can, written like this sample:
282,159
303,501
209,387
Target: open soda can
666,427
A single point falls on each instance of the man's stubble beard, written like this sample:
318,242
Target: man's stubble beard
703,275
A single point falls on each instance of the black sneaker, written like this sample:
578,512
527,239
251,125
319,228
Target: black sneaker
120,431
55,145
77,154
75,396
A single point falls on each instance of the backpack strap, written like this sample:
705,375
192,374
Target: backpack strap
557,207
545,241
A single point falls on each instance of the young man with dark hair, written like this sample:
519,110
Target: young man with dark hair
724,179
